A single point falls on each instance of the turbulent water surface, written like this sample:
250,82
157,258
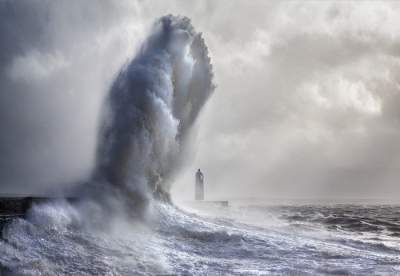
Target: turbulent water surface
303,240
123,222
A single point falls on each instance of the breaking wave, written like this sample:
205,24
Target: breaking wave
212,241
147,117
150,110
148,114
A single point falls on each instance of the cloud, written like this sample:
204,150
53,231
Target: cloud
307,93
311,115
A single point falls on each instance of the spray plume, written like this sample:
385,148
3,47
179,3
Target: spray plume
150,110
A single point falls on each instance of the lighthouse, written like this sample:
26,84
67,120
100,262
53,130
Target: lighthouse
199,188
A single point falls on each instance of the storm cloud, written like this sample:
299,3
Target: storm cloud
307,99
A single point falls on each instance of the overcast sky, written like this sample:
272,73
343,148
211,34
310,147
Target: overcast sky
307,99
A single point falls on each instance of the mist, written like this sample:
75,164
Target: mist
57,62
307,94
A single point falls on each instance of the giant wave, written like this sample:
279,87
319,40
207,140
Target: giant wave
150,110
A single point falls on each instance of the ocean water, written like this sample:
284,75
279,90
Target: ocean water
57,239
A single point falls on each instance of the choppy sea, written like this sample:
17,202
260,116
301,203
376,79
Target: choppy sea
57,239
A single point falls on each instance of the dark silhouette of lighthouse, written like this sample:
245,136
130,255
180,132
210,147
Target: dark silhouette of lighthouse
199,188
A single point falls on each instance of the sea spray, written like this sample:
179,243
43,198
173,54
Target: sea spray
150,109
148,114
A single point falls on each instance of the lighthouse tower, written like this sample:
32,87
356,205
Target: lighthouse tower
199,188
